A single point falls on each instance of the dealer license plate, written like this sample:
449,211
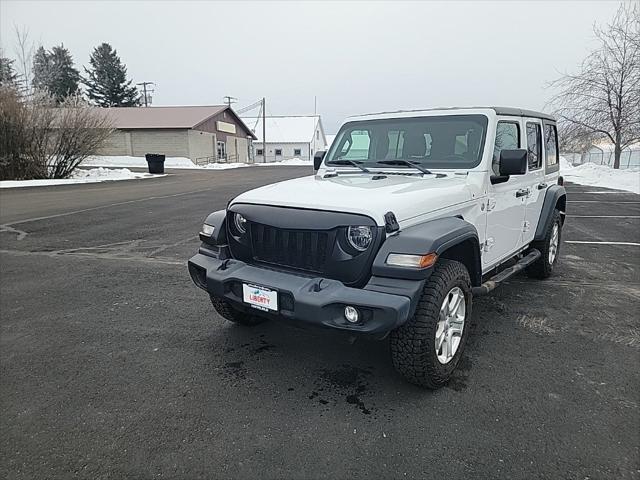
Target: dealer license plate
260,297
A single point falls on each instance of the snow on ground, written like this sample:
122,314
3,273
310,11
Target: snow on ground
178,162
290,162
601,176
80,176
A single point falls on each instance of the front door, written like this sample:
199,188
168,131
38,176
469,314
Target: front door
534,180
506,202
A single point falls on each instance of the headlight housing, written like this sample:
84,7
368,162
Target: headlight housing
240,222
360,237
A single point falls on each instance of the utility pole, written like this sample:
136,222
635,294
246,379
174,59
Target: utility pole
229,100
146,92
315,104
264,130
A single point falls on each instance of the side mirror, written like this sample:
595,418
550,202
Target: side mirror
317,159
513,162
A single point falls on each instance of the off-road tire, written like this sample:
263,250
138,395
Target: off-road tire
542,268
226,311
413,349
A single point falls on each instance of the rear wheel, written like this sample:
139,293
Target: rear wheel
549,247
427,349
226,310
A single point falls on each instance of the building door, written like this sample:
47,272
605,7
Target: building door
222,151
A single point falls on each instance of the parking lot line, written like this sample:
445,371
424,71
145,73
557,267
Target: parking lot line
633,244
597,201
604,216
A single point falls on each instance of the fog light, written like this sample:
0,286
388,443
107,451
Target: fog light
207,230
351,314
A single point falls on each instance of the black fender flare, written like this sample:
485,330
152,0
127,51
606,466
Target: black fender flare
434,236
555,195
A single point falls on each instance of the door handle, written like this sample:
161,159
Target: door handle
523,192
542,186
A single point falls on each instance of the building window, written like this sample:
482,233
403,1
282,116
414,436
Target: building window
317,134
259,151
278,152
297,152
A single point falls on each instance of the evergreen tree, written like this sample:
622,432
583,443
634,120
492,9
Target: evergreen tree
64,77
41,69
8,75
107,84
53,72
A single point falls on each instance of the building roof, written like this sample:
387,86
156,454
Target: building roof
165,117
292,129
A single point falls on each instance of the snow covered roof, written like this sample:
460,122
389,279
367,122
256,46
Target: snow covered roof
294,129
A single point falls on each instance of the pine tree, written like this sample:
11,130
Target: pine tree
64,77
8,75
107,84
53,72
41,70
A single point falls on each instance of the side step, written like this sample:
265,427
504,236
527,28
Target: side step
493,282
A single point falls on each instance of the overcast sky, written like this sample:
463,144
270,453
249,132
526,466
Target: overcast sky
355,57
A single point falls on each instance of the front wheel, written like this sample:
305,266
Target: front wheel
549,247
427,349
226,310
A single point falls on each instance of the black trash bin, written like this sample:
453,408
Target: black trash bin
155,161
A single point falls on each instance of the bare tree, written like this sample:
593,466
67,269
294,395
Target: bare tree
602,100
40,140
24,53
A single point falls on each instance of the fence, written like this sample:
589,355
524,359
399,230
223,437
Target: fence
629,158
230,158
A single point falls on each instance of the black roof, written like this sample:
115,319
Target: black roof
519,112
516,112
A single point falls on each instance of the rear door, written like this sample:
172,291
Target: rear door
534,179
506,202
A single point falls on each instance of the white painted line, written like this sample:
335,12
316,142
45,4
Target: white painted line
633,244
596,201
600,192
633,217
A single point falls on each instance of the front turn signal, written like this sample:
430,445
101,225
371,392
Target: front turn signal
412,261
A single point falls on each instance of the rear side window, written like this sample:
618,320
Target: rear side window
551,144
507,138
534,146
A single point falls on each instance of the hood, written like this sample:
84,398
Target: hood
405,195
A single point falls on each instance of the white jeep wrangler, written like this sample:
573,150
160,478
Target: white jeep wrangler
409,215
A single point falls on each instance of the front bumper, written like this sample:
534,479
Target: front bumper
384,303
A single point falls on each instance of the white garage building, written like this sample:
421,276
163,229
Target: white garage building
287,137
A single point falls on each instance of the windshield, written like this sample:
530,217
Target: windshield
451,141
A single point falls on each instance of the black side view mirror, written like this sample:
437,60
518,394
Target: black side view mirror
317,159
513,162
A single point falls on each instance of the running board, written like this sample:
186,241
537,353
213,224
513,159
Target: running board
493,282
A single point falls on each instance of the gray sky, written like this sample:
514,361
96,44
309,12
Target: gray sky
356,57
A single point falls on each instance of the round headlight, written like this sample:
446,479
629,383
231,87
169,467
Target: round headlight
240,222
360,237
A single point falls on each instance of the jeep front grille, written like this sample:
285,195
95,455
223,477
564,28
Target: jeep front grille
301,249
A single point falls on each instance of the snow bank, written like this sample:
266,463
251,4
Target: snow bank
290,162
80,176
141,162
601,176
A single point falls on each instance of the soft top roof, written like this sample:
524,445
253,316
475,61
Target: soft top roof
518,112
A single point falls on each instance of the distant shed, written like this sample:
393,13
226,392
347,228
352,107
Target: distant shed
201,133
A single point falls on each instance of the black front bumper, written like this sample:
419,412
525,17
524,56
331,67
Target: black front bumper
384,303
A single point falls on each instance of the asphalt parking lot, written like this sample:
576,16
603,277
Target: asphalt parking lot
114,365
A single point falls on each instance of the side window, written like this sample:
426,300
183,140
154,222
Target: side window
507,138
534,146
551,144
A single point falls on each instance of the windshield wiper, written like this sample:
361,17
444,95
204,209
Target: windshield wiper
408,163
349,162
